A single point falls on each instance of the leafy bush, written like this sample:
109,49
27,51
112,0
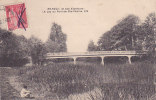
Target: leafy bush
12,52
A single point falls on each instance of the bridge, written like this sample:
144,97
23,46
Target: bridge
101,54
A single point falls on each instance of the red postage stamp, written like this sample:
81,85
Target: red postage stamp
17,16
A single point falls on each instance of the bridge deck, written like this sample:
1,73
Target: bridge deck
94,54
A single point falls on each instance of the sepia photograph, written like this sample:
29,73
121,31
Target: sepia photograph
77,49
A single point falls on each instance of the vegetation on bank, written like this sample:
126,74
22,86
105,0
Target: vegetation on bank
16,49
130,33
62,80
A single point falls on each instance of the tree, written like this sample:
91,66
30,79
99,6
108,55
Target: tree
10,47
106,41
126,32
149,33
92,46
122,36
37,50
23,45
57,40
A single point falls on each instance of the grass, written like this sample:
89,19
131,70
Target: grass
64,79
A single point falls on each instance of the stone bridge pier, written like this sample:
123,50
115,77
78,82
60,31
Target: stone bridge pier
129,59
74,58
102,60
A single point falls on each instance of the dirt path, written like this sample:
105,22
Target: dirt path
8,92
10,86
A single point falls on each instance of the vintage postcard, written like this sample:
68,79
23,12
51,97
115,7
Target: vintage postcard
77,49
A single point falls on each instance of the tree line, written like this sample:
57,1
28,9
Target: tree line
130,33
16,49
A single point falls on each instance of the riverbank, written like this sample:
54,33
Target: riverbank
65,81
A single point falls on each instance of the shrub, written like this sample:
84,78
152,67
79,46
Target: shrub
12,51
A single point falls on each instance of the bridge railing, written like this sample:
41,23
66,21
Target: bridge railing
96,53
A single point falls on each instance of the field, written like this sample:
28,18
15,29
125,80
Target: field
83,81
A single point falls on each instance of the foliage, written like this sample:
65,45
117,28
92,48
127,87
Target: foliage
66,78
62,79
37,50
122,36
150,33
11,49
14,48
131,34
57,40
106,41
92,46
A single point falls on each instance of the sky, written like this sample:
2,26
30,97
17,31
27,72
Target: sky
83,27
